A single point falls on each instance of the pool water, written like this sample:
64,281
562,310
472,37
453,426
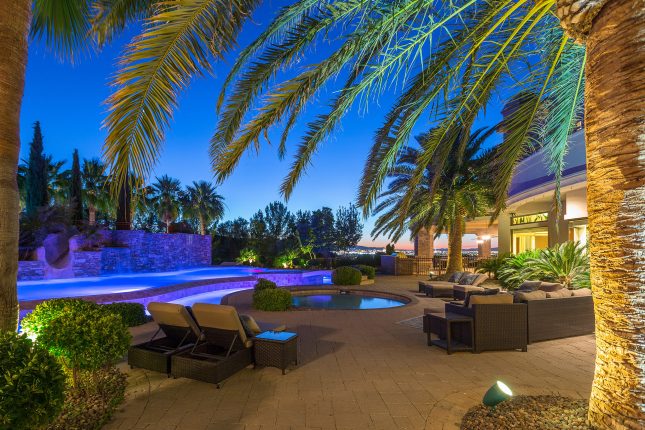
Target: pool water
344,302
79,287
213,297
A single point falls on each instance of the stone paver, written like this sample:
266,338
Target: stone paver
358,370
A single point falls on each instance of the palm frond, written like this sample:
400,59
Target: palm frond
64,25
110,17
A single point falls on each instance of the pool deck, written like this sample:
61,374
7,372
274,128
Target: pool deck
358,370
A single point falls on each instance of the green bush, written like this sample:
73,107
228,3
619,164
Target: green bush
491,266
566,263
272,299
346,276
91,404
33,323
86,340
264,284
368,271
33,384
510,272
132,314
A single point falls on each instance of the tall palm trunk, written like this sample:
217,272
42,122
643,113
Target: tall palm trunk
615,133
455,262
91,209
202,225
15,17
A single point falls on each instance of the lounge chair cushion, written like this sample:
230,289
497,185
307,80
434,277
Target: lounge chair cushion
580,292
558,294
455,277
468,279
467,288
480,279
529,286
525,296
497,299
220,317
551,286
172,314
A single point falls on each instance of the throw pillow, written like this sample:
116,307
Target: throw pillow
468,279
486,292
581,292
558,294
551,286
529,285
525,296
455,277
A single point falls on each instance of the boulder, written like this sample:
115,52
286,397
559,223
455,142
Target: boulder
56,247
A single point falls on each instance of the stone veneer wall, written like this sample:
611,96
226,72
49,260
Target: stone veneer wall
127,251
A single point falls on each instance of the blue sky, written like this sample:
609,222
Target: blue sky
68,101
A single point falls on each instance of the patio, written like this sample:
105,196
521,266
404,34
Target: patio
358,370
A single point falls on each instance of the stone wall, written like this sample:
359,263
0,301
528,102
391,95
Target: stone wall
31,270
86,263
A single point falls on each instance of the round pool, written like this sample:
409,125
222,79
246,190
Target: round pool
351,300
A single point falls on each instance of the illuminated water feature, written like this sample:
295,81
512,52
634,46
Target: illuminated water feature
345,301
82,287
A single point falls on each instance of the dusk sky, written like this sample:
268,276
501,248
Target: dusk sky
68,101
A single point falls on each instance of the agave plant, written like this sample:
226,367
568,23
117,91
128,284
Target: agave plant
567,263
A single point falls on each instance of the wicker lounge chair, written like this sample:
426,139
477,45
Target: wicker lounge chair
180,330
224,350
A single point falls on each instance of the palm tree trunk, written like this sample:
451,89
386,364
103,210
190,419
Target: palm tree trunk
15,17
91,209
202,226
615,134
455,262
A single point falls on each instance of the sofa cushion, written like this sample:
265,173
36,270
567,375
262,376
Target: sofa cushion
455,277
480,279
551,286
468,279
497,299
581,292
525,296
486,292
561,293
529,285
467,288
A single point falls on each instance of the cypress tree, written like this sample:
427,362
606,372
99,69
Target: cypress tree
76,190
36,179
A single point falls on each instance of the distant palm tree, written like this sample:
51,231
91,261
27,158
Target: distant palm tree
166,195
203,204
58,180
445,198
95,191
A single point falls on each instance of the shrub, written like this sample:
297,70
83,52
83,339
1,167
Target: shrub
491,266
264,284
33,383
346,276
132,314
91,404
272,299
510,273
248,256
86,340
368,271
566,263
33,323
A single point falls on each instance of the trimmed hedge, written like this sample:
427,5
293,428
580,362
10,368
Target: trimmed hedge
368,271
132,314
264,284
346,275
33,384
272,299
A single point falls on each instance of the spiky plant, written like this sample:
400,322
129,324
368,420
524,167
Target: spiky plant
512,271
566,263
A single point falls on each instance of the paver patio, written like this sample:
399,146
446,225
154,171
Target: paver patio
358,370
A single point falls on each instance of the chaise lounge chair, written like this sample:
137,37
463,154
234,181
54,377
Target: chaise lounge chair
181,333
225,347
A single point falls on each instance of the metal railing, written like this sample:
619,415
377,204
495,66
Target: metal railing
437,265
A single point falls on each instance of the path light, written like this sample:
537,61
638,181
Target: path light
497,394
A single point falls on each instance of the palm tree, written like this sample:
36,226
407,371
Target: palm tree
166,195
95,191
203,204
178,40
445,198
58,181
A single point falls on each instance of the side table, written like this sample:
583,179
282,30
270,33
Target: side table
276,349
445,327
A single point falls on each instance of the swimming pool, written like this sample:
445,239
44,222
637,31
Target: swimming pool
347,301
83,287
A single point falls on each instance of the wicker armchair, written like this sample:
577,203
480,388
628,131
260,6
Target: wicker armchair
497,327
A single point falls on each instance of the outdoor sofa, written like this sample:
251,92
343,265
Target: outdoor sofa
457,285
555,312
180,334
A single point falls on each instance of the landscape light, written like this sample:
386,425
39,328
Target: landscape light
497,394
